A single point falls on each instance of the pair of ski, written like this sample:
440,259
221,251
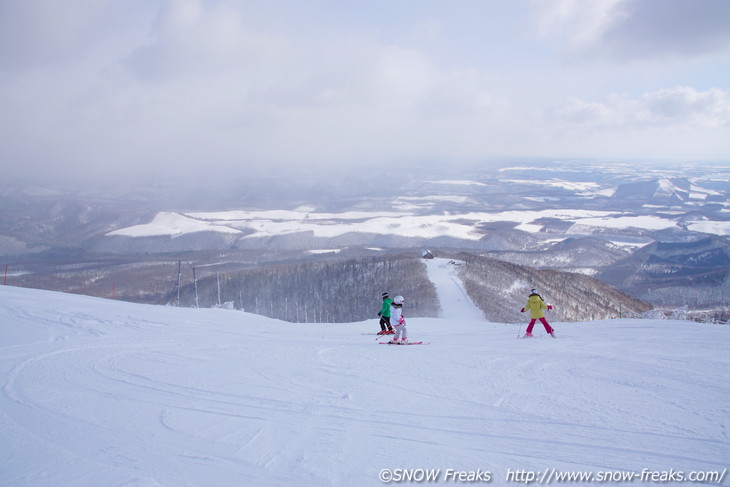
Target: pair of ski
532,336
388,343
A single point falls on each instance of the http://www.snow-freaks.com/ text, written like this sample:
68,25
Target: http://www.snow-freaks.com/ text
550,476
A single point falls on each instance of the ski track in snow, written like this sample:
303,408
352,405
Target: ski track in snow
455,303
98,392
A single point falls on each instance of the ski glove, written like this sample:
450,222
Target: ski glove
550,306
380,314
522,310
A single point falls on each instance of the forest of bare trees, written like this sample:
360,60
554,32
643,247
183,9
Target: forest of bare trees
331,291
345,288
500,289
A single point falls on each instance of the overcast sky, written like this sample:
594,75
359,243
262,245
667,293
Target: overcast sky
119,86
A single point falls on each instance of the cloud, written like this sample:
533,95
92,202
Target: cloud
681,106
191,37
650,28
573,23
210,88
678,122
35,32
634,29
201,86
211,78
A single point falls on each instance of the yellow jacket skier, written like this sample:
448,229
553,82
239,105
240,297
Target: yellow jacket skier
536,305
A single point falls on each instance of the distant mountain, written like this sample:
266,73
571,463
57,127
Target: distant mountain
659,191
584,255
500,289
695,273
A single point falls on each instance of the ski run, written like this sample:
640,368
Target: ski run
105,393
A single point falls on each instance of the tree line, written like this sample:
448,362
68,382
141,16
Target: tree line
500,290
331,291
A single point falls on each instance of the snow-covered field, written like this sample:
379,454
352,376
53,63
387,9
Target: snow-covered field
261,224
421,215
106,393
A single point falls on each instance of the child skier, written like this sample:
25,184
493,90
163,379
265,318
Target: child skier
384,313
399,323
536,305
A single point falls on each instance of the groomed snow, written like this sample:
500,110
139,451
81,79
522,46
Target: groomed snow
455,302
105,393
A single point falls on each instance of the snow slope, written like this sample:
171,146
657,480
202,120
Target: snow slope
105,393
455,303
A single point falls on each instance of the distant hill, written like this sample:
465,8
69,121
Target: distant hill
328,290
695,273
572,254
500,289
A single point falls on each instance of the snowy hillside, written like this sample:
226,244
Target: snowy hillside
105,393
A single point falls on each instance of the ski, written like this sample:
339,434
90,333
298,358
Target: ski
407,343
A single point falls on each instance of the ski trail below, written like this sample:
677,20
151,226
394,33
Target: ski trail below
455,303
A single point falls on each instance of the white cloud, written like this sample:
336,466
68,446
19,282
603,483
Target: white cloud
679,122
681,106
686,105
180,85
192,38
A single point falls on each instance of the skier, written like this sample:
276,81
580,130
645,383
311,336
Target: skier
396,317
536,305
384,313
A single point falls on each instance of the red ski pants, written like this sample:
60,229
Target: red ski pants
544,322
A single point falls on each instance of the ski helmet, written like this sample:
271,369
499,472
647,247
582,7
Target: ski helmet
533,291
385,295
398,300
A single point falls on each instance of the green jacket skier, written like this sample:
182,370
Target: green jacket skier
384,313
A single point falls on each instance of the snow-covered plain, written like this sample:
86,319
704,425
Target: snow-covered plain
258,224
422,216
106,393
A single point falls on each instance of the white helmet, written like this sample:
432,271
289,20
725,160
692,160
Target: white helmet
398,300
